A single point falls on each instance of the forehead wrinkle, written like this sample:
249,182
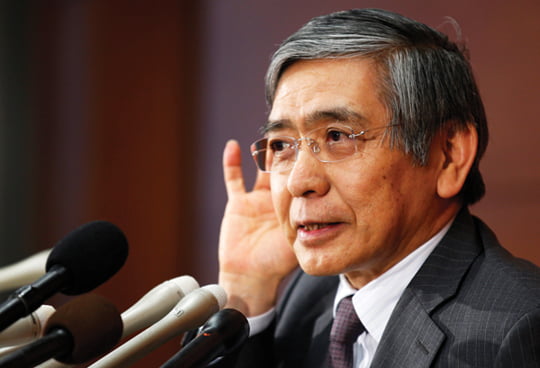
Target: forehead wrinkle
340,114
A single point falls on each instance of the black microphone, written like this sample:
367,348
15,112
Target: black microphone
83,260
77,332
222,334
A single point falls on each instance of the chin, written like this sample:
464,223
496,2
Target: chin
317,268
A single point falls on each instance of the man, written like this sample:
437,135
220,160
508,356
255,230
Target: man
369,160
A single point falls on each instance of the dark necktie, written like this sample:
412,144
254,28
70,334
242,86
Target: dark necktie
345,330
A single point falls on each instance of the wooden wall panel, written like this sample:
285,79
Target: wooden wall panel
142,128
116,85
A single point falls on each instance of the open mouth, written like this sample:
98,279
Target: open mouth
316,226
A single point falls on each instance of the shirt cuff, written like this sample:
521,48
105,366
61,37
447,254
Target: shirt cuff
259,323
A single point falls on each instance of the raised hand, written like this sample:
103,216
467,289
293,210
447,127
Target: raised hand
254,255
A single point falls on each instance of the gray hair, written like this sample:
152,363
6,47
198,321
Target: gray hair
426,81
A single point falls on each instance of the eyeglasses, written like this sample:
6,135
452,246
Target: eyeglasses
327,144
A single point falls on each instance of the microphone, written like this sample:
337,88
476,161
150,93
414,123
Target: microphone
83,260
155,304
26,329
78,331
222,334
190,312
149,309
23,272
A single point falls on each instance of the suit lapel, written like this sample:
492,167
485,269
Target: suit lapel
411,341
411,337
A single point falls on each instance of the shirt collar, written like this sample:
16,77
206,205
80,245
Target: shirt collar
376,300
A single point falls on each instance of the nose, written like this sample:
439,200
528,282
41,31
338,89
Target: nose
308,175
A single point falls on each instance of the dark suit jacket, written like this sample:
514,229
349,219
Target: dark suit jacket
471,304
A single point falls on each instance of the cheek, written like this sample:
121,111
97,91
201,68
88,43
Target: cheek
372,192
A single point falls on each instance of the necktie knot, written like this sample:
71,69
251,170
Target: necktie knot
345,330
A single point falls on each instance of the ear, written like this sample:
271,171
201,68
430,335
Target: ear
459,151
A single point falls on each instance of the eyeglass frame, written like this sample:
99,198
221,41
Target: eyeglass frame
312,144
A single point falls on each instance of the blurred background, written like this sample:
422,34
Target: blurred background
119,110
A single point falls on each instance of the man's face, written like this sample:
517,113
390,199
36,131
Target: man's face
361,215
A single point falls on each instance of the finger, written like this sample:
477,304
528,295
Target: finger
232,168
262,181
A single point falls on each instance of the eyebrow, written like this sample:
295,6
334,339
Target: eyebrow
341,114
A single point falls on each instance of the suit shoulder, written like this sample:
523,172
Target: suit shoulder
515,271
515,281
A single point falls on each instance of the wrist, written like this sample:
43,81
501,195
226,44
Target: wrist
250,295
